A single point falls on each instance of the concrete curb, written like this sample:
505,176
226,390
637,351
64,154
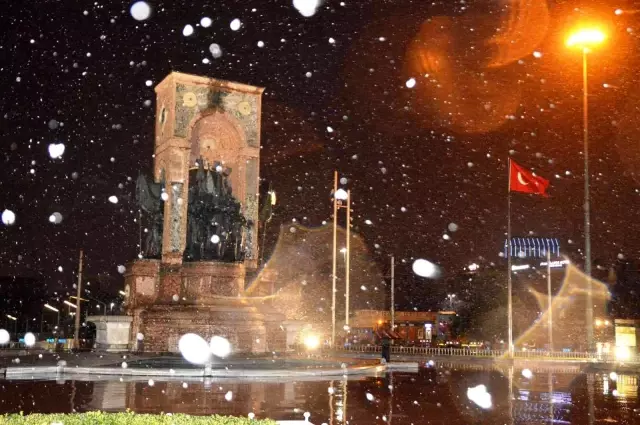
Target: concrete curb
190,373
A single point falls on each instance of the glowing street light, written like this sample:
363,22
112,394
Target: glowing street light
451,297
51,308
585,39
70,304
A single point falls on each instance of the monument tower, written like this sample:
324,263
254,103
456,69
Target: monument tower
201,217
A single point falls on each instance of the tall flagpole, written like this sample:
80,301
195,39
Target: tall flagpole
335,246
348,263
550,300
587,208
509,300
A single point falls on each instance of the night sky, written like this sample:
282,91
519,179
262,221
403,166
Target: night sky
491,78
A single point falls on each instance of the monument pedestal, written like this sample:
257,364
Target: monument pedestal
112,332
168,301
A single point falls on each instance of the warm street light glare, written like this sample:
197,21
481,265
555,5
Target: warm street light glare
51,308
70,304
586,38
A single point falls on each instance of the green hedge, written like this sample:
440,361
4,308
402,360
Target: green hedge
127,418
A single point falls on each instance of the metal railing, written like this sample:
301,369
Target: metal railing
480,353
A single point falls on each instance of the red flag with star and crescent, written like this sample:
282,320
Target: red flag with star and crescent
523,180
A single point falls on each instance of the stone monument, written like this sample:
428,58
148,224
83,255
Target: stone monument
200,214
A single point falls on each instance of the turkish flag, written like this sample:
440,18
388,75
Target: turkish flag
523,180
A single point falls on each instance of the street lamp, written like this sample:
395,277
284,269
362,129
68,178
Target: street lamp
15,323
451,297
340,198
52,308
585,39
104,305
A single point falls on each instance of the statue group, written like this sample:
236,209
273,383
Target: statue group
216,228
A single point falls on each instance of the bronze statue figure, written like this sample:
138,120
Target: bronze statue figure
149,198
215,223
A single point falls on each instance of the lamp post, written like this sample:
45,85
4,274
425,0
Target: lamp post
15,323
451,297
339,198
585,39
104,305
49,307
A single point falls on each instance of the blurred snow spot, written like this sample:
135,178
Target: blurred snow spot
370,397
4,337
215,239
307,8
425,268
206,22
228,396
260,43
480,396
527,373
216,50
55,218
235,24
113,199
140,10
452,227
187,30
8,217
194,349
29,339
56,150
411,83
220,347
53,124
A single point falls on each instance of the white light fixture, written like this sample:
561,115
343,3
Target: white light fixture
70,304
51,308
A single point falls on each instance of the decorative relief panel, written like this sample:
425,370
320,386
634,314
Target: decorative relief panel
192,99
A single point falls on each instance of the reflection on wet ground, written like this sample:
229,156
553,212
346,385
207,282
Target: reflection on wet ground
436,395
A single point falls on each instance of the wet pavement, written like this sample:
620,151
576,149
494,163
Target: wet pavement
435,395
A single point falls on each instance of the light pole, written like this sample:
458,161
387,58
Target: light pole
15,323
76,338
339,197
451,297
585,39
52,308
104,305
